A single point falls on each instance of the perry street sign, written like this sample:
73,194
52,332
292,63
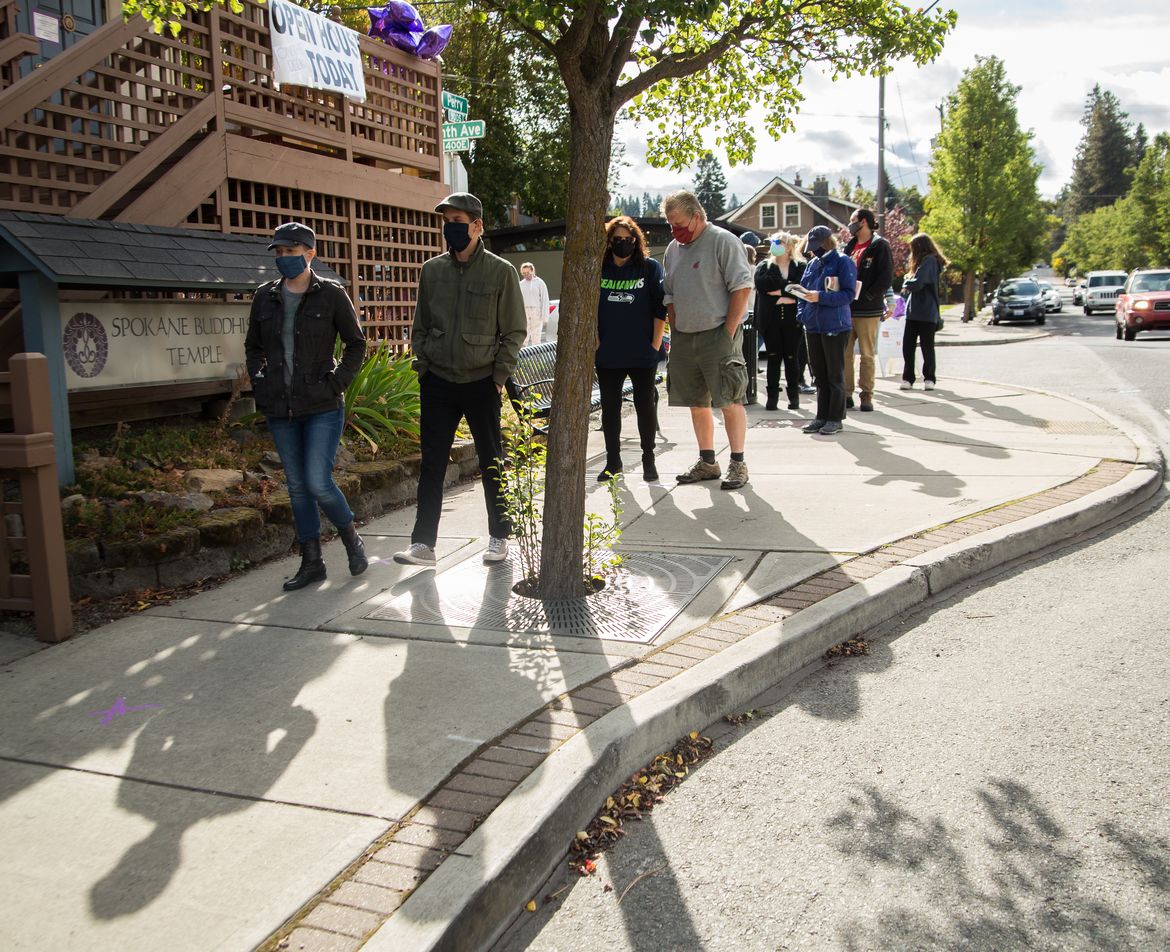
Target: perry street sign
464,130
453,116
457,145
453,103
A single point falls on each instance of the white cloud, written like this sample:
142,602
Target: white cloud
1055,50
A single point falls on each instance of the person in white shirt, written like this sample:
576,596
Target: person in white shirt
535,293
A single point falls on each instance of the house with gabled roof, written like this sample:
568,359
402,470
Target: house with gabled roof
789,206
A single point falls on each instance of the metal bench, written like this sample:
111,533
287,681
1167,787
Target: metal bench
535,373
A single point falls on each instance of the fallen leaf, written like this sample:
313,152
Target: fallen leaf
531,907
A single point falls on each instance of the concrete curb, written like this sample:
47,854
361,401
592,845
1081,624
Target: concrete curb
468,902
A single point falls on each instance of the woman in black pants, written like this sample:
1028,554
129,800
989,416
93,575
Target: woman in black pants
631,318
775,318
922,310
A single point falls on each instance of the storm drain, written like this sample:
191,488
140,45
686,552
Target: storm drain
645,596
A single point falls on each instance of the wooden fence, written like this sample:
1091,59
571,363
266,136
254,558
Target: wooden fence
33,572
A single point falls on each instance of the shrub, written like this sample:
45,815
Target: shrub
382,402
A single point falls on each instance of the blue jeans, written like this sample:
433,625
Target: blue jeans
307,446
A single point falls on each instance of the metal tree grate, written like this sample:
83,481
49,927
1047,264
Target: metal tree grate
639,602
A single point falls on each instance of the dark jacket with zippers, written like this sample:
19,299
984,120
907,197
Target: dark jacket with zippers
318,381
875,273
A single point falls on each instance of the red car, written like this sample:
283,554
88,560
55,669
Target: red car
1144,303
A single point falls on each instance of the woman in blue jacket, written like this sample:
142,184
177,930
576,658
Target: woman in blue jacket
830,282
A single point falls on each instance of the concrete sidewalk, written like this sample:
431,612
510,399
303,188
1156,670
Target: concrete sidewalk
300,763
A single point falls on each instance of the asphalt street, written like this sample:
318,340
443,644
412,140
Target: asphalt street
992,775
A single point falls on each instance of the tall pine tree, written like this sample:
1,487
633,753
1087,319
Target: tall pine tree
1108,151
711,186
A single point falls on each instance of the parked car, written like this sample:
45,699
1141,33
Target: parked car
1070,282
1079,294
1101,289
1053,301
1144,303
554,319
1018,299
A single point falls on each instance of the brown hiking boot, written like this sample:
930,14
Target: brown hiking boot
700,471
737,475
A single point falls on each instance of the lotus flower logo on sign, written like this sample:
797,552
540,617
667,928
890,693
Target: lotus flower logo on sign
310,50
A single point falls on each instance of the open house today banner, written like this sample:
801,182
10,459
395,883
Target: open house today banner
310,50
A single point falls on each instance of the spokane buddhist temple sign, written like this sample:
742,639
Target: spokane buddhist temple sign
310,50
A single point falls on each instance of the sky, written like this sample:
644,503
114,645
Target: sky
1055,50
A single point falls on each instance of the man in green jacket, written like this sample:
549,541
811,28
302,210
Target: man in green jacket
469,325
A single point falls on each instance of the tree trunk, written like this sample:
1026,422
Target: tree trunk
591,121
969,308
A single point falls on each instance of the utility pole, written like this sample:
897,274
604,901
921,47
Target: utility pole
880,211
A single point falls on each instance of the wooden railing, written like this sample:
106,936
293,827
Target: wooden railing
33,573
119,125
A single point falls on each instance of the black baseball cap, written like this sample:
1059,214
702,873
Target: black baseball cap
750,238
816,236
293,233
462,202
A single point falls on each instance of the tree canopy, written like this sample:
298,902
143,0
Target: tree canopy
984,206
1109,149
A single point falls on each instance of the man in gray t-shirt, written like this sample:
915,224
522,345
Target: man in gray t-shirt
708,284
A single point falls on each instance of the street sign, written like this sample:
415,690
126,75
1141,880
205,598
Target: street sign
454,103
475,129
457,145
453,115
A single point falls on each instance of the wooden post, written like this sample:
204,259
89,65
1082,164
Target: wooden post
32,415
41,315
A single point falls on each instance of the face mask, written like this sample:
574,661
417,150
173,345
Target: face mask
778,248
682,235
622,247
816,252
457,234
854,228
291,265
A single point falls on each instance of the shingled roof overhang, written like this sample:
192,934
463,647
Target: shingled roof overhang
86,253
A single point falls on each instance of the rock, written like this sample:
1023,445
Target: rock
345,458
141,465
229,526
242,407
213,480
70,501
271,458
243,436
191,502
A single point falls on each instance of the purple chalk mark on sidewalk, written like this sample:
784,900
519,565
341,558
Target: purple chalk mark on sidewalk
119,709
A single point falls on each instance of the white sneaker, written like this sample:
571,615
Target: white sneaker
496,551
929,385
417,554
905,385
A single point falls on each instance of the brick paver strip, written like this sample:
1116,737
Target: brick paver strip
377,886
389,875
311,940
344,919
406,854
365,896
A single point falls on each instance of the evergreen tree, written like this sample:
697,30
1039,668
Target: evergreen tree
734,203
711,186
1105,156
649,208
984,207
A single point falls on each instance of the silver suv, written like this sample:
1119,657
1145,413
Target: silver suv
1101,288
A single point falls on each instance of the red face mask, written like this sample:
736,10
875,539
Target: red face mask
682,235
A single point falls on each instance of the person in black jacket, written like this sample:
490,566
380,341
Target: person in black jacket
631,319
875,273
776,321
299,387
922,308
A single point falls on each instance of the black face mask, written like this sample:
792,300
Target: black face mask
623,247
817,252
457,234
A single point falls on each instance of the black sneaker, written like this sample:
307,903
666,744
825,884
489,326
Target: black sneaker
848,403
813,426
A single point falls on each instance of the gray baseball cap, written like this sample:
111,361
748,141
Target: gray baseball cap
462,202
293,233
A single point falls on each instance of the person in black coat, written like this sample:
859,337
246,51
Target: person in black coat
923,291
776,323
299,387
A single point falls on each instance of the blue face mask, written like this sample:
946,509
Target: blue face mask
777,248
291,265
457,234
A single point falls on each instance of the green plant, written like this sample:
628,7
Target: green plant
521,485
601,536
382,402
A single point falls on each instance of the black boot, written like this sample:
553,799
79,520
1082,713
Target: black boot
773,399
354,548
312,567
612,468
649,470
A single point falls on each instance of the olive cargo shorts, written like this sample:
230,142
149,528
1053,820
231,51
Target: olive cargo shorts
706,369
